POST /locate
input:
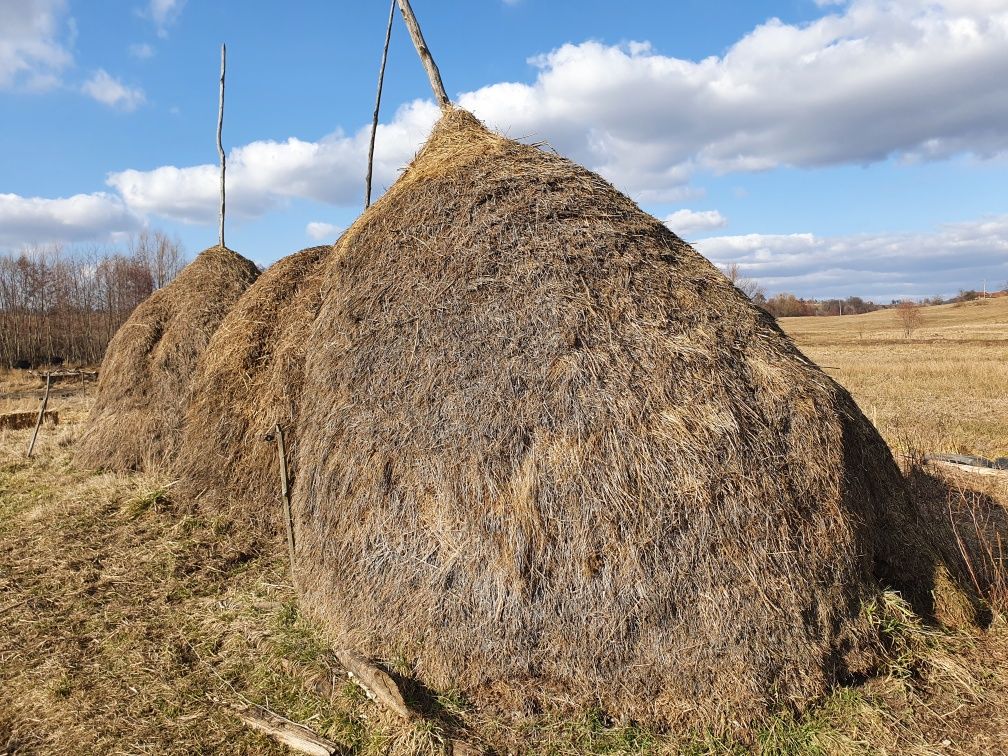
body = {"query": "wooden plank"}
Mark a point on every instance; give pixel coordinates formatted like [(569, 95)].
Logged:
[(19, 420), (971, 469), (296, 737)]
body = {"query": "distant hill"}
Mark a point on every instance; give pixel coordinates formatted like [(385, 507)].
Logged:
[(979, 320)]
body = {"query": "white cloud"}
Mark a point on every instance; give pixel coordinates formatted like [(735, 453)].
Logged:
[(164, 13), (685, 222), (874, 79), (881, 266), (318, 230), (265, 174), (141, 50), (108, 90), (82, 217), (32, 54)]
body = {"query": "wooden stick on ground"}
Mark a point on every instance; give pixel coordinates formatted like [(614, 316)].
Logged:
[(296, 737), (378, 686), (377, 106), (41, 415), (425, 55), (220, 144)]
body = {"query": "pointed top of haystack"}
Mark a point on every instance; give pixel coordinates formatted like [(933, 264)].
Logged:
[(146, 375), (248, 381)]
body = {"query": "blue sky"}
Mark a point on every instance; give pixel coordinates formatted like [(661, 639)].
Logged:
[(829, 148)]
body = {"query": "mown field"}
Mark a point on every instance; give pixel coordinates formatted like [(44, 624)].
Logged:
[(128, 624), (945, 389)]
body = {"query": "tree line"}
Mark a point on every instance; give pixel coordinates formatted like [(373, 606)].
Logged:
[(787, 305), (60, 305)]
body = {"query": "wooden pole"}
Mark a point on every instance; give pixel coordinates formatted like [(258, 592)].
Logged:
[(377, 106), (41, 414), (220, 143), (285, 493), (425, 55)]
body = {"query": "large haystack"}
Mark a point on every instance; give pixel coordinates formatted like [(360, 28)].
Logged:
[(146, 376), (248, 381), (549, 453)]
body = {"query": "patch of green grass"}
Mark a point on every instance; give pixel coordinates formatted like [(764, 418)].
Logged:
[(152, 498)]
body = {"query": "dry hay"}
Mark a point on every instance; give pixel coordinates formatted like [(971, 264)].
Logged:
[(549, 455), (248, 381), (146, 376)]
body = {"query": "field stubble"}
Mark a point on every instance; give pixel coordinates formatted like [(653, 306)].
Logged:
[(945, 390)]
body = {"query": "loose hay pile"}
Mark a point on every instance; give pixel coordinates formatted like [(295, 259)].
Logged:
[(248, 381), (147, 372), (548, 453)]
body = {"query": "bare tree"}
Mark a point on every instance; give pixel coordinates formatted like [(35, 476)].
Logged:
[(748, 286), (160, 253), (65, 305), (908, 315)]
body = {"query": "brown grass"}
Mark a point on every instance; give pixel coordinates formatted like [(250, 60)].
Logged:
[(946, 388), (546, 449), (146, 376), (248, 381)]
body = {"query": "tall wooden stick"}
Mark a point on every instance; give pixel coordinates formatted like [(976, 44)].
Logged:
[(425, 55), (285, 493), (41, 414), (220, 144), (377, 106)]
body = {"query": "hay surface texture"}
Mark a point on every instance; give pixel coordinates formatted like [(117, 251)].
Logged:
[(146, 376), (549, 453), (248, 381)]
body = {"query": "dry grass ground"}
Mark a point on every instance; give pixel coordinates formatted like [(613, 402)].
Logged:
[(945, 390), (128, 624)]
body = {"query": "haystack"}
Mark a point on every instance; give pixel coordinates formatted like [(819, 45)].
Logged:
[(146, 376), (248, 381), (548, 453)]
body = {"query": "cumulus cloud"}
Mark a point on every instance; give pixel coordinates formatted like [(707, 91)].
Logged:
[(318, 230), (108, 90), (82, 217), (32, 53), (684, 222), (164, 13), (265, 174), (873, 79), (882, 266)]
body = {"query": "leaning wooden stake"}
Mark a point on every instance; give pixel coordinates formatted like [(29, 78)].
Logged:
[(41, 414), (285, 491), (220, 143), (425, 55), (377, 106), (296, 737)]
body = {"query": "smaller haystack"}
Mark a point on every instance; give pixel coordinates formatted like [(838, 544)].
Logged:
[(146, 376), (248, 381)]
